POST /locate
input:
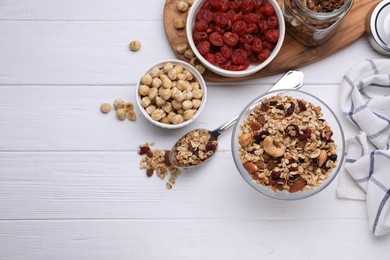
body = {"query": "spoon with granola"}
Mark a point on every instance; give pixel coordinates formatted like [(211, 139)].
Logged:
[(198, 145)]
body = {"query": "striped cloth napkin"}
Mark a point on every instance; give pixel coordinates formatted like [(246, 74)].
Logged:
[(365, 101)]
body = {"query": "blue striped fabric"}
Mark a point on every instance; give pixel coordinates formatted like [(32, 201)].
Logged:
[(365, 101)]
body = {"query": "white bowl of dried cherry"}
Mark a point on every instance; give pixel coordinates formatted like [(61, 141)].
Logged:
[(235, 38)]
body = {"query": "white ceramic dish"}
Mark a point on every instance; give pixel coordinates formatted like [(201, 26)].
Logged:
[(198, 78), (253, 68)]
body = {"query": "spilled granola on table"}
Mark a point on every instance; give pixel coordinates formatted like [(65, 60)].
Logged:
[(287, 145), (157, 161)]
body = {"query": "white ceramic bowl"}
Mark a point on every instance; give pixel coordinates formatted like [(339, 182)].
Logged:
[(197, 76), (328, 115), (253, 68)]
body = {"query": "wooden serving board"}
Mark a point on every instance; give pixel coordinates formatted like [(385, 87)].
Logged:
[(293, 54)]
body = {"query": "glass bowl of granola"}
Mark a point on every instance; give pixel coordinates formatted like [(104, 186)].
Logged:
[(288, 144)]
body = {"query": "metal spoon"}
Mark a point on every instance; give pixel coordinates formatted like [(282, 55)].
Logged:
[(291, 80)]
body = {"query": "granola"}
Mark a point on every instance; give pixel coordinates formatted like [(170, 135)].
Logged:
[(287, 145), (194, 148), (158, 161)]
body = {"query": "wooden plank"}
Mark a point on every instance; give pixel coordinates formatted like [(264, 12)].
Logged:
[(47, 118), (96, 53), (109, 185), (191, 239), (84, 10)]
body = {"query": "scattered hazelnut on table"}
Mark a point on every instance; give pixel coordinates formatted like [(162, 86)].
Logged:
[(121, 114), (135, 45), (105, 108), (190, 2), (119, 103), (131, 115)]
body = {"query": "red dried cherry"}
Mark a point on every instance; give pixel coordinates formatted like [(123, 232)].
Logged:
[(272, 36), (252, 18), (246, 6), (221, 20), (252, 28), (239, 27), (204, 15), (220, 58), (257, 45), (216, 39), (264, 54), (272, 22), (203, 47), (263, 26), (210, 57), (239, 57), (227, 51), (200, 36), (230, 38), (267, 9), (201, 26)]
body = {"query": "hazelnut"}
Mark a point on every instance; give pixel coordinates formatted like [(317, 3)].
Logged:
[(196, 103), (183, 85), (156, 72), (187, 104), (193, 61), (165, 93), (182, 6), (119, 103), (189, 54), (135, 45), (181, 48), (168, 67), (181, 76), (197, 93), (167, 107), (188, 75), (200, 68), (143, 90), (195, 85), (179, 69), (187, 95), (156, 83), (152, 93), (145, 102), (146, 79), (157, 114), (167, 83), (179, 96), (170, 116), (105, 108), (179, 23), (121, 114), (176, 105), (150, 109), (159, 101), (177, 119), (188, 114), (129, 106), (131, 115), (190, 2), (172, 74), (165, 120)]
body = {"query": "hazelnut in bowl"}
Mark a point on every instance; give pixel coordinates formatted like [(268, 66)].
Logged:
[(288, 144), (235, 38), (171, 94)]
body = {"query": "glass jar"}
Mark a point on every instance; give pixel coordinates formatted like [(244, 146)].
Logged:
[(310, 27)]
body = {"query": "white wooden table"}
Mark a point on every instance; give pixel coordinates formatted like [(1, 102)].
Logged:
[(70, 184)]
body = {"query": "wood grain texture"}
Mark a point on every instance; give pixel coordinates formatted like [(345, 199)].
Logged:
[(293, 54), (210, 240), (110, 185)]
